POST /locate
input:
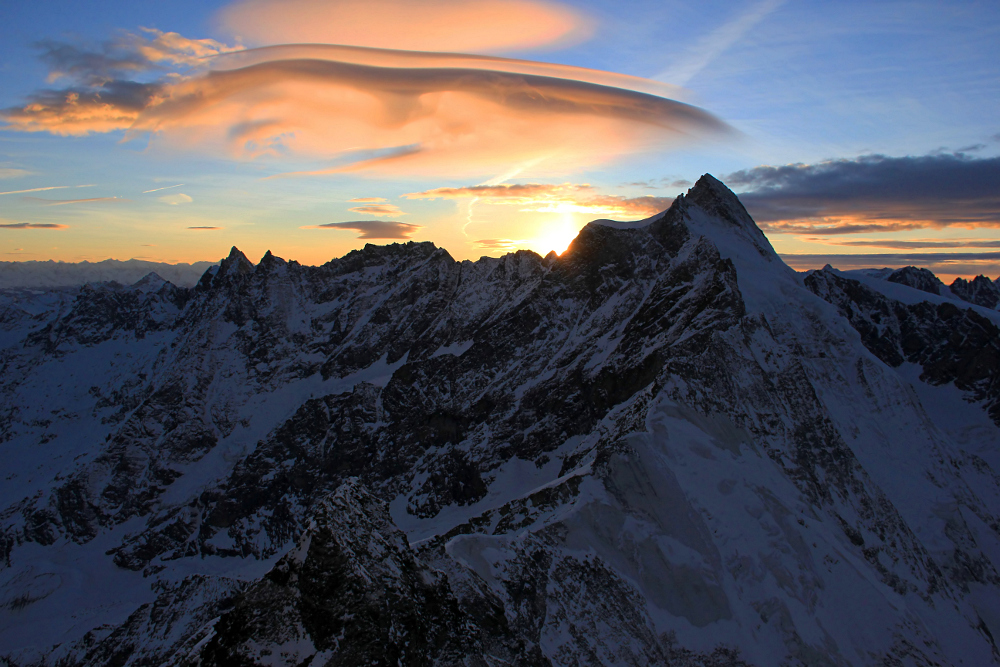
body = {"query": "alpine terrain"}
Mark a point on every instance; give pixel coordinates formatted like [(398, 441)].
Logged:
[(663, 447)]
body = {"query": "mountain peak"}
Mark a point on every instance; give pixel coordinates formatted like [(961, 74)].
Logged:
[(236, 264), (712, 195)]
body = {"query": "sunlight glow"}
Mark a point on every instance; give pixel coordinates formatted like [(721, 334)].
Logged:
[(557, 236)]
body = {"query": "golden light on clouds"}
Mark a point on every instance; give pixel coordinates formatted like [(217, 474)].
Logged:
[(545, 198), (416, 114), (417, 25), (428, 120), (388, 210)]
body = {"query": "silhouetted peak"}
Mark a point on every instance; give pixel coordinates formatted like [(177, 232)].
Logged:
[(236, 264), (269, 261), (711, 194), (921, 279)]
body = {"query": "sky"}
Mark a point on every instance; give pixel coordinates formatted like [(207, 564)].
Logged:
[(856, 133)]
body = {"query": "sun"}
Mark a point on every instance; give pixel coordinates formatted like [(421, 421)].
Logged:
[(557, 234)]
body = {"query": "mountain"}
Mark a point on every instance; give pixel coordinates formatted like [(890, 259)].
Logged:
[(50, 274), (662, 447), (980, 290)]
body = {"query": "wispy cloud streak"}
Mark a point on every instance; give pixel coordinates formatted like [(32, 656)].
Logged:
[(146, 192), (718, 42), (51, 187), (65, 202)]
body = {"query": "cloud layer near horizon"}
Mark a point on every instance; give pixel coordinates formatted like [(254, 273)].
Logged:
[(417, 25), (873, 193), (941, 263), (424, 113)]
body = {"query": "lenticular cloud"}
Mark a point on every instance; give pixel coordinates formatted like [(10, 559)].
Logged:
[(371, 110)]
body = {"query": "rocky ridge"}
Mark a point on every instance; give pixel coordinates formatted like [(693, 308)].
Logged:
[(662, 447)]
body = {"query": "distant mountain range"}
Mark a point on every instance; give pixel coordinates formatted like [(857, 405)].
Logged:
[(33, 274), (662, 447)]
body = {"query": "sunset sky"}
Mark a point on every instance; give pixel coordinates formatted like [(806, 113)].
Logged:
[(172, 131)]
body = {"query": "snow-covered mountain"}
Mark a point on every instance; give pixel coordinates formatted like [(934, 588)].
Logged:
[(49, 274), (662, 447), (980, 291)]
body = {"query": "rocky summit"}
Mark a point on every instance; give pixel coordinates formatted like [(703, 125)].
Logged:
[(663, 447)]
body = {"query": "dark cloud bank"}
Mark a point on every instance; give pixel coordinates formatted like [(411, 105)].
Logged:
[(873, 193)]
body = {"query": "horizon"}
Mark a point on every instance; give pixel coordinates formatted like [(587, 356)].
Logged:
[(169, 134)]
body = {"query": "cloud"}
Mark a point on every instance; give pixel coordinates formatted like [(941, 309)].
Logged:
[(499, 244), (378, 209), (913, 245), (373, 229), (32, 225), (64, 202), (546, 198), (104, 107), (456, 116), (203, 228), (951, 264), (394, 58), (718, 42), (146, 192), (105, 95), (175, 198), (873, 193), (51, 187), (838, 227), (416, 25), (9, 172), (126, 54), (367, 199)]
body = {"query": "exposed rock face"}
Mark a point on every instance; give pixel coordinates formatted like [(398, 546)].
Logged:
[(980, 290), (352, 592), (662, 447), (952, 345), (920, 279)]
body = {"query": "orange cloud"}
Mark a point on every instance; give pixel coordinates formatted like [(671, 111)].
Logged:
[(417, 25), (440, 119), (32, 225), (373, 229), (378, 209), (544, 198), (367, 199), (175, 49), (204, 228), (395, 58), (506, 245)]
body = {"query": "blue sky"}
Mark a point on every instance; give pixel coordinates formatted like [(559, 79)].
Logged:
[(793, 82)]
